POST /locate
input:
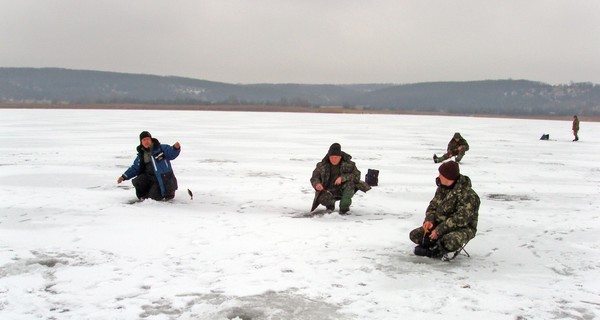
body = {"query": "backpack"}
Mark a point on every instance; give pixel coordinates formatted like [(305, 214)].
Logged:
[(372, 177)]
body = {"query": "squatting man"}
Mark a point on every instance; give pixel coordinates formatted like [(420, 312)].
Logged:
[(336, 178), (451, 217), (152, 170)]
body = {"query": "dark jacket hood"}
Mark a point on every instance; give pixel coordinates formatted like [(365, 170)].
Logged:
[(155, 145), (463, 182), (345, 157)]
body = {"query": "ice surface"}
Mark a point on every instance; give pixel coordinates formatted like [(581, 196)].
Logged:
[(73, 247)]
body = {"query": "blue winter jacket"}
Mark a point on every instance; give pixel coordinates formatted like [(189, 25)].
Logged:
[(162, 154)]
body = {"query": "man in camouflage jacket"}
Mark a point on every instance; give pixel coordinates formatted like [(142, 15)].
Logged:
[(575, 127), (451, 217), (457, 146), (336, 178)]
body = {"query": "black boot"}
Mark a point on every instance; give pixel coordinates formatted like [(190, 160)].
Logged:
[(435, 159), (436, 252), (421, 251), (433, 252)]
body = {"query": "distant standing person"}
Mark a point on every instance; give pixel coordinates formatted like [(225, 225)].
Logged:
[(451, 217), (336, 178), (154, 177), (457, 146), (575, 127)]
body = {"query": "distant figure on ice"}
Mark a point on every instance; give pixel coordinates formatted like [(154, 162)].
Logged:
[(336, 178), (456, 147), (154, 177), (451, 217), (575, 128)]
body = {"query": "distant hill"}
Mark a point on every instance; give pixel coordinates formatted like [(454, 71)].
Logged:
[(502, 97)]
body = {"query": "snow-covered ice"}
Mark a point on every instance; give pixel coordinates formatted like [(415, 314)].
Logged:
[(73, 247)]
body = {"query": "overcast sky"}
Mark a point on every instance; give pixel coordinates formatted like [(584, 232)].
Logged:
[(309, 41)]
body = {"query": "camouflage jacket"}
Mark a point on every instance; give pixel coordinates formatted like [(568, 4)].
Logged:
[(454, 208), (348, 170), (453, 145), (576, 124)]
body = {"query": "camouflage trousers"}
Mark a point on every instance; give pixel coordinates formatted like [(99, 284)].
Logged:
[(328, 198), (450, 241), (448, 155)]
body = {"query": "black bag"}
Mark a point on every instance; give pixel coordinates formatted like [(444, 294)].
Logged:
[(545, 136), (372, 177)]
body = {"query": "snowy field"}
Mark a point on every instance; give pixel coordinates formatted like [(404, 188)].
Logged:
[(73, 247)]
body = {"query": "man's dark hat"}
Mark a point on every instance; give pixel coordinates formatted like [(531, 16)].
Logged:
[(335, 150), (145, 134), (450, 170)]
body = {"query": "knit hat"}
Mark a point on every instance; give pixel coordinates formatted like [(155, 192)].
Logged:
[(145, 134), (457, 135), (335, 150), (450, 170)]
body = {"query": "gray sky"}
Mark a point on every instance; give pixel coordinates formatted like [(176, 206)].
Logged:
[(309, 41)]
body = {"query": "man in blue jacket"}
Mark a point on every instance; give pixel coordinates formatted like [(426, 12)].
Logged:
[(154, 177)]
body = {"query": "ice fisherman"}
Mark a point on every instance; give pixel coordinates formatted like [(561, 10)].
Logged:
[(336, 178), (451, 217), (154, 176), (575, 127), (457, 146)]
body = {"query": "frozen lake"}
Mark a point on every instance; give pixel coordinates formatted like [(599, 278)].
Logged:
[(73, 247)]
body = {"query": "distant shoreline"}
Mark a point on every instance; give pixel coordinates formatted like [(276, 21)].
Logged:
[(266, 108)]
